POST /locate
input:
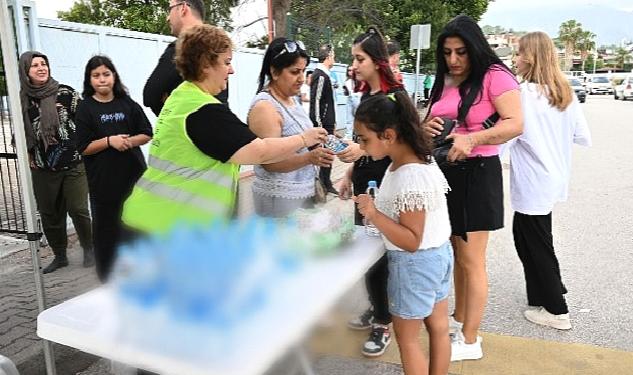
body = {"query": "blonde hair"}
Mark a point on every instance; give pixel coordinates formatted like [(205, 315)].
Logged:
[(199, 47), (537, 51)]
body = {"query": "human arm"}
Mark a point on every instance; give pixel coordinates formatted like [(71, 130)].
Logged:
[(316, 95), (582, 135), (345, 185), (217, 132), (508, 105), (351, 153), (162, 81), (405, 234), (266, 122)]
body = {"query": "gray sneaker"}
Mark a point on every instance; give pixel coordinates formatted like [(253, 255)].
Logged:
[(363, 321)]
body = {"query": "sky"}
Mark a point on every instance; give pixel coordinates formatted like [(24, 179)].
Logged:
[(610, 20), (48, 8), (497, 5)]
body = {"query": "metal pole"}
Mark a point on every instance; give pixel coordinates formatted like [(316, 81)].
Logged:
[(417, 76), (271, 26), (595, 57), (11, 70)]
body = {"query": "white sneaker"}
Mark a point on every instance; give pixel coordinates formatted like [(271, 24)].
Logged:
[(461, 351), (545, 318), (453, 325)]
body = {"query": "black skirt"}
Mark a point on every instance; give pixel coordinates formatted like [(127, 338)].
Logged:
[(475, 202)]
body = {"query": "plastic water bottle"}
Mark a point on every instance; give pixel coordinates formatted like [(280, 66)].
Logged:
[(370, 229), (335, 144)]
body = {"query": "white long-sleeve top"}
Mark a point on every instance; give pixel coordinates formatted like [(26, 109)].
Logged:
[(540, 158)]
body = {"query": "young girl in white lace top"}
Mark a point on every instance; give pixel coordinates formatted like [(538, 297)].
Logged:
[(411, 213)]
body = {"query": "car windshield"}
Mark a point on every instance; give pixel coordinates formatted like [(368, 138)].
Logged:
[(601, 80), (575, 82)]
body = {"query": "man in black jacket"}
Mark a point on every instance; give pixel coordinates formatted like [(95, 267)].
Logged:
[(322, 108), (181, 14)]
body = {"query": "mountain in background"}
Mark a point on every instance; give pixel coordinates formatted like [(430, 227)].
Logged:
[(610, 25)]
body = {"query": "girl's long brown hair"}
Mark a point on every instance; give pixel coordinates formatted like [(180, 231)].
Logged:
[(537, 50)]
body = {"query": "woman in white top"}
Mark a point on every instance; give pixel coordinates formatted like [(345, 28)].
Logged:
[(539, 173), (411, 213)]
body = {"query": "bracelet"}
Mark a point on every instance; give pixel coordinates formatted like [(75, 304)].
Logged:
[(303, 137), (108, 141)]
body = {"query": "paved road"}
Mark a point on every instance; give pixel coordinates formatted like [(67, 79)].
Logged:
[(593, 237)]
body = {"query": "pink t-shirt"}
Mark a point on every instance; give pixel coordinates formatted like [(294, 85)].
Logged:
[(497, 81)]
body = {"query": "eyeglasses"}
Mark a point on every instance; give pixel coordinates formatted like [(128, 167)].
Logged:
[(169, 8), (291, 46)]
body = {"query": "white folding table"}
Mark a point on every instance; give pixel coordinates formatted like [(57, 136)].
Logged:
[(90, 322)]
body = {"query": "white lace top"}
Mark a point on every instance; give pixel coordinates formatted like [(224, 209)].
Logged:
[(414, 187)]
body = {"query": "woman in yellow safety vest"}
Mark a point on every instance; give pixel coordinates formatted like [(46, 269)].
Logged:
[(199, 143)]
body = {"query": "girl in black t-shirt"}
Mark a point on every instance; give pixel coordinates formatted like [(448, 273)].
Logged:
[(371, 68), (110, 127)]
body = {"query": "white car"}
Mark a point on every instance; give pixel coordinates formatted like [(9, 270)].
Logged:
[(599, 85), (624, 90)]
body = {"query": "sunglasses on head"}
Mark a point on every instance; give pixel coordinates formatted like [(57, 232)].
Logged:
[(291, 46)]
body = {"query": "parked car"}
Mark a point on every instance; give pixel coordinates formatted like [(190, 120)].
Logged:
[(599, 85), (624, 90), (578, 88)]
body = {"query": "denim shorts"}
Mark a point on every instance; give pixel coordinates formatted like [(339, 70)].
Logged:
[(419, 280)]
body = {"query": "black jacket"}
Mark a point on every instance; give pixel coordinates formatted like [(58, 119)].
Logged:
[(322, 109), (164, 79)]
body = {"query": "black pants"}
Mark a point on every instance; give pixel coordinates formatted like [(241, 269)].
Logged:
[(535, 246), (376, 283), (106, 234), (324, 176), (61, 193)]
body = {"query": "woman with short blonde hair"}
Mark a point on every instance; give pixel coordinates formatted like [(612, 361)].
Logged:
[(539, 173)]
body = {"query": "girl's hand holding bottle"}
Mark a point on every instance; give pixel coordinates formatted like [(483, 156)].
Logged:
[(366, 206)]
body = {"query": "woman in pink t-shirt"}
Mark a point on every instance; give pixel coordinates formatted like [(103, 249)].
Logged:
[(472, 84)]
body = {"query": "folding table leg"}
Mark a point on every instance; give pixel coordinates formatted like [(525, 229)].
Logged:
[(306, 366)]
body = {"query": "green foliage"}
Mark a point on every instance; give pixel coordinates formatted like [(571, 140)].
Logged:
[(622, 56), (261, 43), (340, 21), (148, 16)]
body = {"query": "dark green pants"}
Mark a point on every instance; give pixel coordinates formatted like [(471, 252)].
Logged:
[(59, 194)]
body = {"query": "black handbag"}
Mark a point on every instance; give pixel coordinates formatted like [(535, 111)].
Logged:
[(443, 146)]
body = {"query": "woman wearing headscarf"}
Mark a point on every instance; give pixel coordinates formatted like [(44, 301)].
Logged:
[(58, 174)]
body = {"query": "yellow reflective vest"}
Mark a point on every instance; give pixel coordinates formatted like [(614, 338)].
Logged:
[(181, 184)]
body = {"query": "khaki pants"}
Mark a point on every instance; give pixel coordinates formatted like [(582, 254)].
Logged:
[(58, 194)]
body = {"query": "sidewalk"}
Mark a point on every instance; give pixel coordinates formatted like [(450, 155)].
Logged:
[(336, 349)]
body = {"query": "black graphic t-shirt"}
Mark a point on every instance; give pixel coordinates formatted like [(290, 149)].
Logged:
[(111, 173)]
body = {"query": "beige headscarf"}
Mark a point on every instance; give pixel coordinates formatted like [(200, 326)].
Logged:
[(47, 96)]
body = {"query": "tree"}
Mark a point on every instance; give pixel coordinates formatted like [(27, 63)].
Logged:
[(339, 21), (569, 33), (148, 16), (280, 12), (622, 56), (585, 44)]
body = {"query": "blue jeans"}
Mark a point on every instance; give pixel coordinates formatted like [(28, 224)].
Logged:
[(418, 280)]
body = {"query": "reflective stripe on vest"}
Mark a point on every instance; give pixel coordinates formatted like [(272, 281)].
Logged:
[(190, 173), (180, 196)]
